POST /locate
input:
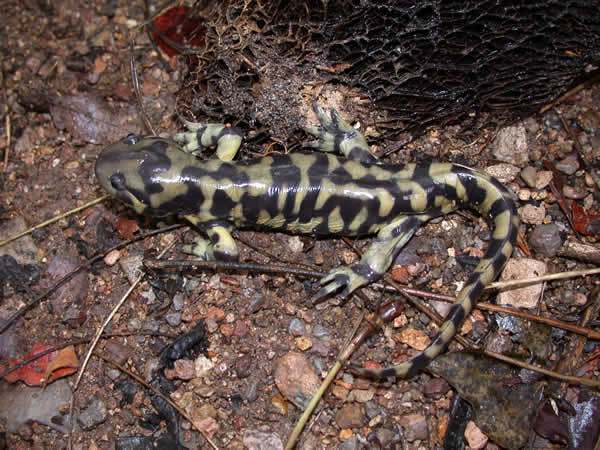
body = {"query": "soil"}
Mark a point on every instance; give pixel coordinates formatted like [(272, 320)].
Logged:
[(68, 92)]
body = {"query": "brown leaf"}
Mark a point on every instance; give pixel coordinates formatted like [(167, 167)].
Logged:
[(126, 228), (65, 363)]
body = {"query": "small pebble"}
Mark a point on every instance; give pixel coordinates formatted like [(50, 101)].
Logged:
[(510, 145), (295, 244), (251, 392), (545, 239), (524, 194), (296, 327), (543, 179), (319, 331), (134, 325), (415, 427), (350, 416), (532, 214), (173, 319), (113, 374), (528, 174), (567, 165), (178, 302), (574, 193), (505, 173), (303, 343), (112, 257), (256, 303), (93, 415)]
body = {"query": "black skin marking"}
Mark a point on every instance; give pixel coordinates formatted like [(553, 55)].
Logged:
[(364, 271), (358, 154), (118, 181)]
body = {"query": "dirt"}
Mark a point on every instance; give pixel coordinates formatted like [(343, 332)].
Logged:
[(76, 56)]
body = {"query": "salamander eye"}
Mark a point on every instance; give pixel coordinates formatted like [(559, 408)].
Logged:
[(132, 139), (118, 181)]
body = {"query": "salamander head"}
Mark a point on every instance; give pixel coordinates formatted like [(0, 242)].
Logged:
[(134, 169)]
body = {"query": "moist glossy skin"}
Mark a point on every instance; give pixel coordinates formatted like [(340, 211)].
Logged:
[(318, 193)]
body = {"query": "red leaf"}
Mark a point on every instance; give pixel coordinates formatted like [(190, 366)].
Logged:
[(175, 25), (34, 373), (583, 222), (126, 228)]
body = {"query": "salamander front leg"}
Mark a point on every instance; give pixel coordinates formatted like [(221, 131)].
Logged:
[(219, 245), (335, 135), (226, 138), (374, 262)]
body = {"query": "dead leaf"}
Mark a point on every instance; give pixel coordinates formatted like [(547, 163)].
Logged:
[(177, 26), (34, 373), (126, 228), (65, 363), (503, 409)]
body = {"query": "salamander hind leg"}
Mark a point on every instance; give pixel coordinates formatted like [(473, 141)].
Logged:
[(219, 245), (226, 138), (335, 135), (374, 262)]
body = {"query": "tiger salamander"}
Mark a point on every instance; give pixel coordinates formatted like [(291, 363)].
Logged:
[(317, 193)]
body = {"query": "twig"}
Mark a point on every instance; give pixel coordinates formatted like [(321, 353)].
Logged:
[(138, 93), (54, 219), (8, 136), (567, 378), (97, 338), (570, 92), (82, 266), (550, 277), (157, 392)]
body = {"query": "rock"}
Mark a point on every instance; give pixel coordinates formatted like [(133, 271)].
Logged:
[(574, 193), (256, 303), (173, 319), (296, 327), (350, 416), (22, 404), (361, 395), (511, 146), (203, 365), (567, 165), (475, 437), (74, 291), (528, 174), (436, 388), (23, 249), (295, 244), (295, 378), (415, 427), (350, 443), (532, 214), (93, 415), (545, 239), (178, 302), (505, 173), (319, 331), (543, 179), (117, 351), (525, 297), (385, 437), (243, 365), (251, 392), (258, 440), (184, 369), (132, 266), (414, 338)]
